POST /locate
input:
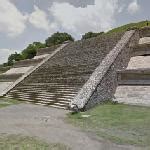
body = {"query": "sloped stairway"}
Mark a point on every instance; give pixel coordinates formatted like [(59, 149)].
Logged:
[(58, 80), (21, 68)]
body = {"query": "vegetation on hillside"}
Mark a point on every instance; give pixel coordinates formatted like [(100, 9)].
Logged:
[(27, 53), (130, 26), (118, 29), (58, 38), (119, 123), (90, 35), (4, 68), (31, 50)]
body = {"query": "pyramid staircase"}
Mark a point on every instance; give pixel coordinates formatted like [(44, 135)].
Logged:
[(57, 81), (21, 69)]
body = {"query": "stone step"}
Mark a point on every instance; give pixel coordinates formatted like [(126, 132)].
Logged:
[(50, 91), (30, 95), (50, 85), (45, 90), (47, 50), (60, 105), (9, 77), (61, 76), (41, 93), (78, 80), (27, 62), (62, 100), (66, 72), (42, 96), (46, 87), (50, 100), (44, 101), (134, 77)]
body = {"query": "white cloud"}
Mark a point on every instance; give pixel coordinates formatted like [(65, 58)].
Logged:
[(39, 19), (133, 7), (98, 17), (12, 21), (4, 54)]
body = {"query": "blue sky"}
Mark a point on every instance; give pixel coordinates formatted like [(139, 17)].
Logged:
[(25, 21)]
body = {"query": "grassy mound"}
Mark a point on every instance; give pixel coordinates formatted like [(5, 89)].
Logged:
[(129, 26)]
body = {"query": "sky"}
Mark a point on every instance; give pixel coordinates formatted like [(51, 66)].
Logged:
[(25, 21)]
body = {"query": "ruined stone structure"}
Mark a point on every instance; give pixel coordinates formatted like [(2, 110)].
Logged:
[(81, 74)]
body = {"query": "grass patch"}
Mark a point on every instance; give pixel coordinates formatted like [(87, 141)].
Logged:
[(129, 26), (7, 102), (18, 142), (122, 124)]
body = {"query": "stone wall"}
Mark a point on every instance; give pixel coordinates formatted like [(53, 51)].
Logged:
[(9, 77), (141, 49), (27, 62), (27, 74), (59, 79), (145, 32), (103, 82), (134, 77), (76, 62), (107, 86), (47, 50)]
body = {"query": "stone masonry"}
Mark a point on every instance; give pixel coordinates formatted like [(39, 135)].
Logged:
[(81, 74), (58, 80)]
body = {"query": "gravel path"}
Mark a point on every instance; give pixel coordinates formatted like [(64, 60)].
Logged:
[(48, 124)]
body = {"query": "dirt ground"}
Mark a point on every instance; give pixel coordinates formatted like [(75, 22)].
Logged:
[(48, 124)]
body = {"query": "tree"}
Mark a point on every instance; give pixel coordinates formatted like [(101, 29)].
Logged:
[(90, 35), (14, 57), (31, 50), (58, 38)]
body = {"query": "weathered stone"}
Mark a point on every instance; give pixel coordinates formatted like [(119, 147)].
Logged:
[(65, 73), (83, 72), (103, 82)]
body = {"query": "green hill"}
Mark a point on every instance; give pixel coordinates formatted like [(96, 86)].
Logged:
[(130, 26)]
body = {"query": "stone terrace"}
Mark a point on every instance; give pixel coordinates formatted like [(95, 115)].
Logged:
[(58, 80), (21, 68)]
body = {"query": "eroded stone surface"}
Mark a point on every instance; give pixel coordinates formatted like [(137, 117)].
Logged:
[(4, 85), (103, 82), (135, 95), (139, 62), (41, 56), (144, 40), (19, 70), (61, 77)]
